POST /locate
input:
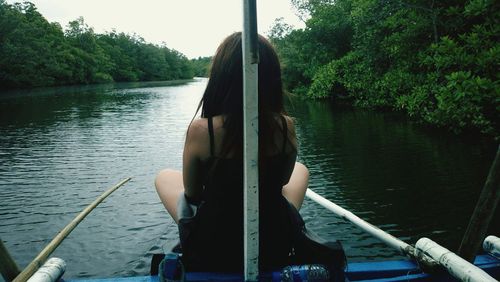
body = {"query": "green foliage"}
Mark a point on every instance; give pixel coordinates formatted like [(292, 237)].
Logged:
[(201, 66), (462, 98), (324, 80), (34, 52), (436, 60), (24, 58), (303, 52)]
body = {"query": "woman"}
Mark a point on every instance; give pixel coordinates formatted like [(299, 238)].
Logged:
[(212, 176)]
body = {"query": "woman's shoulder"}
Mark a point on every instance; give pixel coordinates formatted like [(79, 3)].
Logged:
[(291, 135), (200, 125), (290, 123), (197, 139), (199, 129), (198, 135)]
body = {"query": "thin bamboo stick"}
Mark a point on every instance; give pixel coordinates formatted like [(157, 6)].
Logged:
[(8, 266), (483, 213), (45, 253)]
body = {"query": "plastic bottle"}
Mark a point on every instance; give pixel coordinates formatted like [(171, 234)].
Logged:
[(308, 272)]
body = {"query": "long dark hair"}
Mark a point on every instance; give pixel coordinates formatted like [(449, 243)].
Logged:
[(224, 93)]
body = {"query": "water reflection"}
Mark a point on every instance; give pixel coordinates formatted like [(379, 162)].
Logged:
[(406, 180), (60, 148)]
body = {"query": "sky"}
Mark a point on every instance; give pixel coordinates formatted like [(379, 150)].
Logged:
[(192, 27)]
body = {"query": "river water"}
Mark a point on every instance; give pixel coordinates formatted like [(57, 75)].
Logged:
[(60, 148)]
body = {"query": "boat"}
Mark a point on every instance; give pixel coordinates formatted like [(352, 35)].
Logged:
[(375, 271), (447, 266), (428, 261)]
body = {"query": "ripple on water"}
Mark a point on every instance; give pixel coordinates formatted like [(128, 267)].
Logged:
[(59, 151)]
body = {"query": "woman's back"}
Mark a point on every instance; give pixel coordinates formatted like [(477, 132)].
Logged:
[(217, 241)]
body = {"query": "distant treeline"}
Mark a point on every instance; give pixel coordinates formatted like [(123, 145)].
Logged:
[(34, 52), (436, 60), (201, 66)]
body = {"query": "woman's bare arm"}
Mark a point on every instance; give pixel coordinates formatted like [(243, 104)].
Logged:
[(290, 150), (195, 149)]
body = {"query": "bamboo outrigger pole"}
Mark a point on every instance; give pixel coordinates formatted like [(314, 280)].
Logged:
[(403, 247), (483, 213), (45, 253), (428, 254), (250, 140)]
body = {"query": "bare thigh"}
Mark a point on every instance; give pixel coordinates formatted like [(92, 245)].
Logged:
[(295, 190), (169, 186)]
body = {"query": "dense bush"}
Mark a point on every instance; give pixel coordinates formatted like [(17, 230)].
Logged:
[(436, 60), (201, 66)]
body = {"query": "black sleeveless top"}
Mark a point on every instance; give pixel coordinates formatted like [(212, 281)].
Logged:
[(215, 240)]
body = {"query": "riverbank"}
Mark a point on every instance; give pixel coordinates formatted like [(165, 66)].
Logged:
[(60, 90), (36, 53), (349, 104), (437, 63)]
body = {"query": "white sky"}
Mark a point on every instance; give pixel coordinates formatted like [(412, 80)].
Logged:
[(192, 27)]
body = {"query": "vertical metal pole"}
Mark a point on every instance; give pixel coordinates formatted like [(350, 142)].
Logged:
[(250, 140)]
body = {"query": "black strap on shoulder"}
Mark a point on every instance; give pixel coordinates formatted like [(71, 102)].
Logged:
[(211, 133), (285, 132)]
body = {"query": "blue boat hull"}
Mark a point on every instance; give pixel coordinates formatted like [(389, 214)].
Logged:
[(397, 270), (405, 270)]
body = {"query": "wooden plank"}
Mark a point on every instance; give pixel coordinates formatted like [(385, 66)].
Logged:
[(483, 213), (8, 266)]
